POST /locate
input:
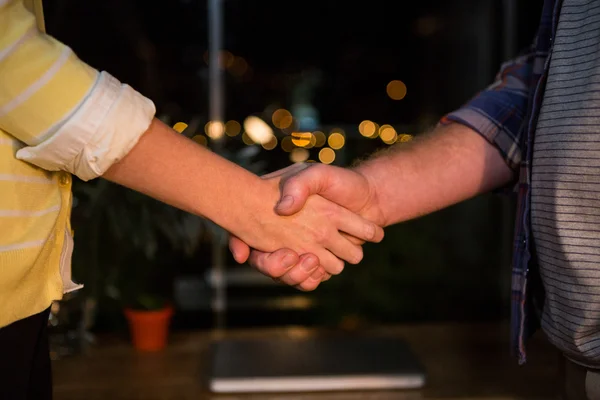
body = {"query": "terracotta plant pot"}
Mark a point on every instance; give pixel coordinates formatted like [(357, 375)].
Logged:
[(149, 329)]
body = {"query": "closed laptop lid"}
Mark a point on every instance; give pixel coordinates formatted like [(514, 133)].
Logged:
[(313, 364)]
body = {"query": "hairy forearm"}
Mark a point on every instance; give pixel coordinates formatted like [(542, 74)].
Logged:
[(448, 165), (171, 168)]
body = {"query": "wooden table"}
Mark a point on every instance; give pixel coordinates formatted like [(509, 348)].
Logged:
[(464, 361)]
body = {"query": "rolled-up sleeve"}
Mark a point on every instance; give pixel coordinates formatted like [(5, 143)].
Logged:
[(70, 116), (498, 113)]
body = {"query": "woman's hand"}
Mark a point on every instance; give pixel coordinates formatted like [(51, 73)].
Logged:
[(320, 228)]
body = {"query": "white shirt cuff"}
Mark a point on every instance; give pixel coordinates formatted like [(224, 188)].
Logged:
[(107, 125)]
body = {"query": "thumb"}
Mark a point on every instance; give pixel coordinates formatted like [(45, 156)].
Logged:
[(342, 186), (296, 189)]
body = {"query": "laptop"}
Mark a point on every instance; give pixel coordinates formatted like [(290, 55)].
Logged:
[(313, 365)]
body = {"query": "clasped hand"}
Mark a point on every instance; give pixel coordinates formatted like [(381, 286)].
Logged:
[(325, 214)]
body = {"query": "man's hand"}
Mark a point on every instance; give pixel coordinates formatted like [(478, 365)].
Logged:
[(450, 164), (346, 187)]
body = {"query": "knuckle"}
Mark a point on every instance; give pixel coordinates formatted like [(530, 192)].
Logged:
[(268, 269), (321, 234)]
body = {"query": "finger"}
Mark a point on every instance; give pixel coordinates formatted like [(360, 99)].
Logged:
[(314, 280), (339, 185), (357, 226), (352, 239), (308, 285), (320, 274), (296, 190), (273, 264), (300, 272), (343, 249), (332, 264), (239, 249)]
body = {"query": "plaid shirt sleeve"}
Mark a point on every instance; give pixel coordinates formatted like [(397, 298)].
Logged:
[(499, 112)]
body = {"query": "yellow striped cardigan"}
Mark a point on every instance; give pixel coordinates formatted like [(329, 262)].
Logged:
[(58, 116)]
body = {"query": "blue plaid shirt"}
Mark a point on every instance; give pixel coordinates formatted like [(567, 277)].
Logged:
[(505, 114)]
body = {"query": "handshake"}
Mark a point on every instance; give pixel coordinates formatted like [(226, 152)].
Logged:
[(324, 215)]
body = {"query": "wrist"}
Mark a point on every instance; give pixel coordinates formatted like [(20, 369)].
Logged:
[(250, 211), (372, 209)]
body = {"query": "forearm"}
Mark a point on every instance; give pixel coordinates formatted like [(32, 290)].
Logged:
[(171, 168), (451, 164)]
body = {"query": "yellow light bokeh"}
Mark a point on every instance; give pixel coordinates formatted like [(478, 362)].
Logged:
[(299, 155), (257, 129), (388, 134), (271, 144), (286, 144), (302, 139), (200, 139), (326, 155), (367, 128), (214, 129), (336, 140), (282, 118), (376, 134), (396, 90), (180, 126), (404, 138), (232, 128), (247, 139), (320, 138)]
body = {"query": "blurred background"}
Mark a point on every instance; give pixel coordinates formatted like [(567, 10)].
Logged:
[(332, 82)]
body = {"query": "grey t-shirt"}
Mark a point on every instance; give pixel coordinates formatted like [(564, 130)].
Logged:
[(565, 195)]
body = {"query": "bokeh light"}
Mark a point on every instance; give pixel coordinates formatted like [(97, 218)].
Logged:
[(320, 138), (180, 127), (282, 118), (247, 139), (326, 155), (232, 128), (367, 128), (271, 144), (302, 139), (214, 129), (388, 134), (396, 90), (405, 138), (286, 144), (299, 155), (200, 139), (258, 130), (336, 140)]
